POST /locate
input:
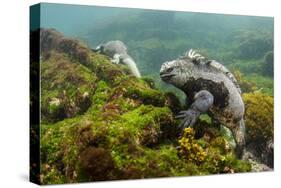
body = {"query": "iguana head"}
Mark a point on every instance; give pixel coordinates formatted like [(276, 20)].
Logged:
[(176, 72), (99, 48), (179, 71)]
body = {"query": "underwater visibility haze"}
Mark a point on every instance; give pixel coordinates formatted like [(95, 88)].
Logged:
[(100, 121)]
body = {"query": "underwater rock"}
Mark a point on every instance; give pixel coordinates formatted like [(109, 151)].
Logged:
[(97, 163), (99, 123), (267, 155), (246, 85), (255, 163), (259, 126), (50, 39), (66, 94), (173, 102), (210, 150)]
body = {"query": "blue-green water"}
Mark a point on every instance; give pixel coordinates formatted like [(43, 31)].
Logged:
[(243, 43), (98, 123)]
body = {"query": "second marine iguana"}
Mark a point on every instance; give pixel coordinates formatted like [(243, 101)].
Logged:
[(117, 51), (210, 88)]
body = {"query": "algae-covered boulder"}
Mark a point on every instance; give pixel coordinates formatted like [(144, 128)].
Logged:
[(66, 88), (245, 85), (258, 117), (50, 40), (99, 122), (208, 148), (259, 126)]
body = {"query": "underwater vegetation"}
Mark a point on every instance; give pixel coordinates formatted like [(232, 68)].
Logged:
[(99, 122), (243, 44), (259, 131), (259, 123), (164, 35), (210, 151)]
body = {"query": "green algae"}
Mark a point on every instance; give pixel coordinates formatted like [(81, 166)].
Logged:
[(127, 130)]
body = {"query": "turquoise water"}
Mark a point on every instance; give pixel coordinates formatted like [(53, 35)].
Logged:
[(243, 43)]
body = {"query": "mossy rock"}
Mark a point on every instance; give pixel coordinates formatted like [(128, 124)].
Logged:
[(50, 40), (212, 153), (67, 93), (258, 117), (101, 123)]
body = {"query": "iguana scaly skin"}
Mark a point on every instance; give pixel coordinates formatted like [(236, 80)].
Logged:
[(210, 88), (117, 51)]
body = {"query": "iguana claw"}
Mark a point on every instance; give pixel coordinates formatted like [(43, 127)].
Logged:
[(189, 118)]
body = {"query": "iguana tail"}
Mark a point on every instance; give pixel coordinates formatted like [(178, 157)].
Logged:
[(132, 66)]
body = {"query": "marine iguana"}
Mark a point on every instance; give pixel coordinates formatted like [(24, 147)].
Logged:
[(210, 88), (117, 51)]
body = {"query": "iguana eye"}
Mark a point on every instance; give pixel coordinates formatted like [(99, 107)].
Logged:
[(170, 69)]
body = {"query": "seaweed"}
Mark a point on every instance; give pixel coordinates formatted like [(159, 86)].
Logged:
[(101, 123)]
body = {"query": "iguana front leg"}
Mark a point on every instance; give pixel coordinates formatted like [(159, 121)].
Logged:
[(116, 59), (203, 100)]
